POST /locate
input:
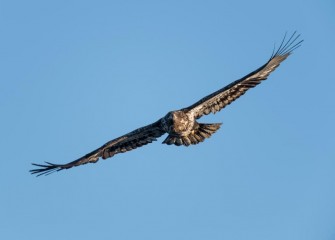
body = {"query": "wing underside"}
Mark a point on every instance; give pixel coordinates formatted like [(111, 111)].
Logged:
[(223, 97), (128, 142)]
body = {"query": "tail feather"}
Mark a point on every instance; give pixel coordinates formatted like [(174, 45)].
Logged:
[(199, 134)]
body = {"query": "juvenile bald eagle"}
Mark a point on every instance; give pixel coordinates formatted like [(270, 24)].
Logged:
[(182, 126)]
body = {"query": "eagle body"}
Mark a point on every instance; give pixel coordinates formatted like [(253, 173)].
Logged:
[(178, 123), (183, 129), (182, 126)]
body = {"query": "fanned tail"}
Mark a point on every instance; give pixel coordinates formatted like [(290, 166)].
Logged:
[(199, 134)]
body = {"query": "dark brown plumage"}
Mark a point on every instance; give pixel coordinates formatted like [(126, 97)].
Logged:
[(181, 125)]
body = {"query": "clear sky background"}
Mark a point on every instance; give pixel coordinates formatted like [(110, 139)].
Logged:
[(75, 74)]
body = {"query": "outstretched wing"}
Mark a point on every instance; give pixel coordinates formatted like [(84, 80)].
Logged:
[(223, 97), (128, 142)]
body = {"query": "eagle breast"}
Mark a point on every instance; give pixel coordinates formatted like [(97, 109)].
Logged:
[(178, 123)]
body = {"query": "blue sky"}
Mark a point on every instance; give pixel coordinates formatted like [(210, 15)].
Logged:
[(75, 74)]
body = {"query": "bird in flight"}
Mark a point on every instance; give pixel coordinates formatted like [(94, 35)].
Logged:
[(182, 126)]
